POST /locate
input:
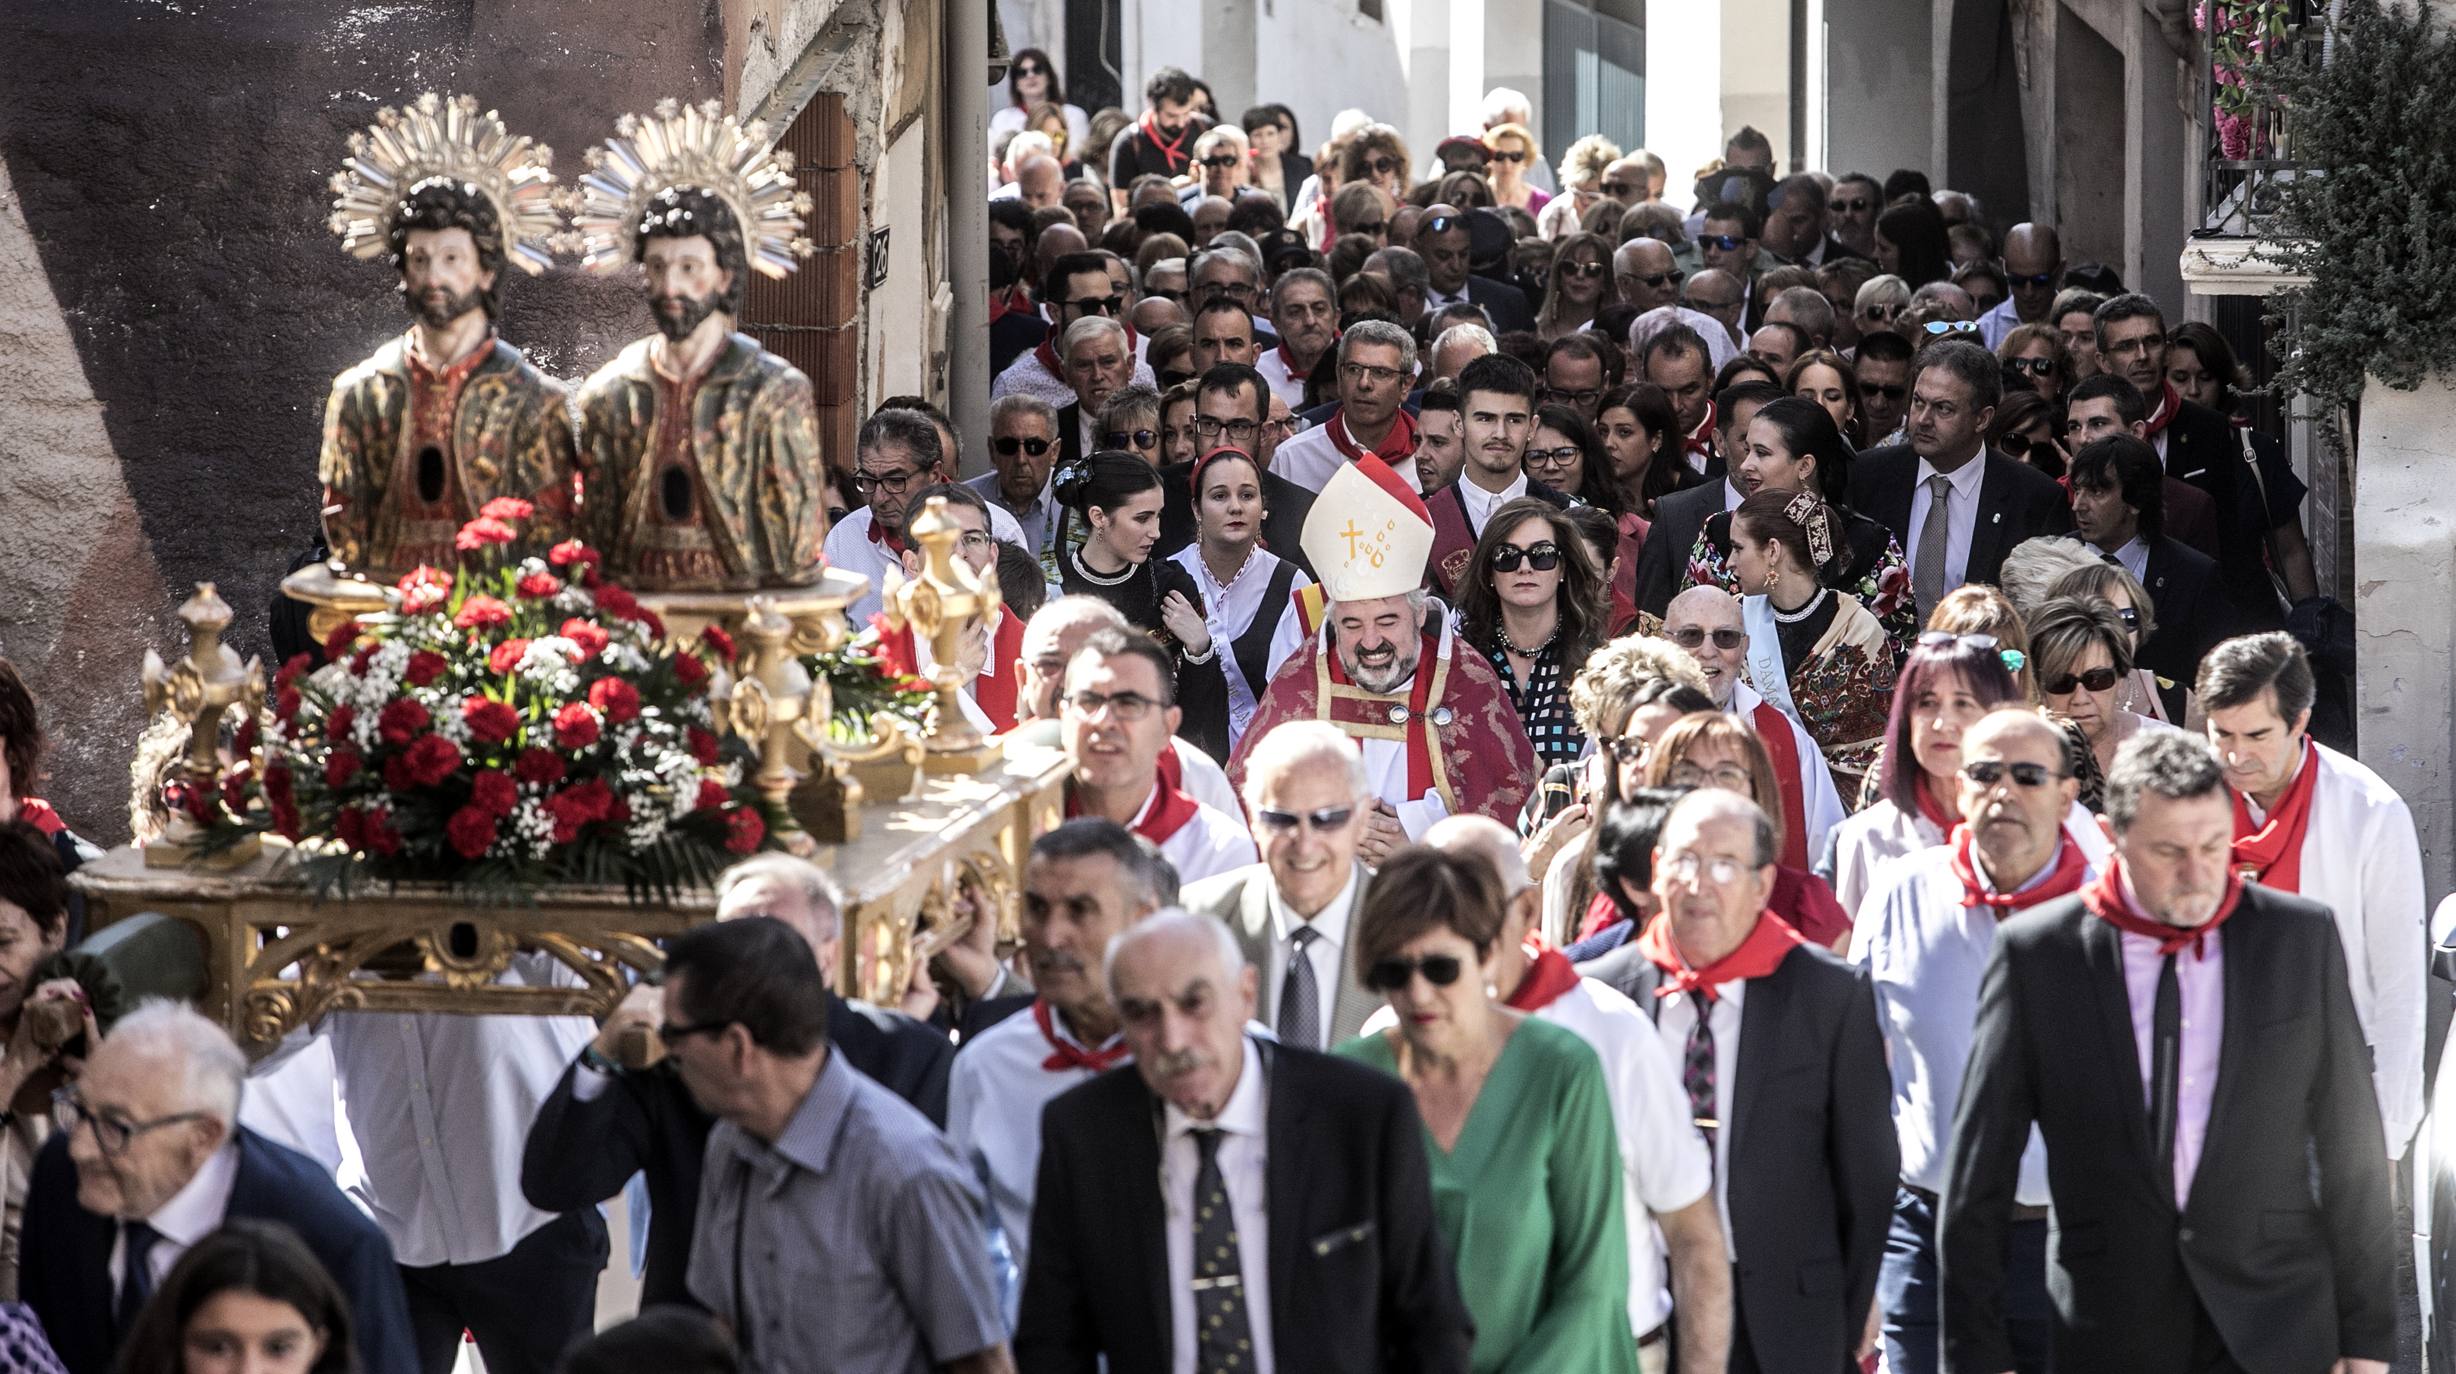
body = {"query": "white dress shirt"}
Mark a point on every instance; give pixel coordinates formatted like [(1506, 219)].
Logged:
[(440, 1106), (191, 1214), (1323, 952), (850, 547), (996, 1091), (2134, 556), (1998, 322), (1673, 1019), (1480, 504), (1286, 385), (1244, 1155), (1309, 459), (1961, 504), (1925, 953)]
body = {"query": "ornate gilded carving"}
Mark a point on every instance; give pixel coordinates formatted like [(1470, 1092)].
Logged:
[(204, 685)]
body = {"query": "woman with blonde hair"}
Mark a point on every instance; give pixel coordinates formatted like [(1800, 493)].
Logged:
[(1581, 178), (1576, 285), (1514, 150)]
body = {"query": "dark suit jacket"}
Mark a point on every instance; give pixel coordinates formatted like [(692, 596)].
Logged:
[(581, 1153), (1284, 508), (2193, 616), (66, 1277), (2190, 515), (2015, 502), (2292, 1275), (1069, 433), (1814, 1160), (1662, 563), (1360, 1277), (2203, 448), (1012, 335), (1505, 305)]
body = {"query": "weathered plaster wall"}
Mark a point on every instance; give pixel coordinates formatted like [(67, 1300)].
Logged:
[(2404, 560)]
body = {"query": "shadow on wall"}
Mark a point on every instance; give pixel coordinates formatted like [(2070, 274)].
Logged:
[(162, 206)]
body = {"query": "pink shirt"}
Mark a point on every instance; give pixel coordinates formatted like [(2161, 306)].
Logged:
[(2202, 982)]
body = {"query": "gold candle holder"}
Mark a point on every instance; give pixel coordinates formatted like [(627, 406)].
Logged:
[(947, 602), (197, 691)]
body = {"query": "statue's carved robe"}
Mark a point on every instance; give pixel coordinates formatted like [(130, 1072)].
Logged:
[(712, 483), (411, 453)]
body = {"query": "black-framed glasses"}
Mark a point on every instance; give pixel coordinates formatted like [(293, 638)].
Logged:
[(2096, 680), (112, 1132), (1657, 280), (1211, 427), (1584, 398), (1728, 243), (1543, 557), (1392, 974), (1096, 305), (1710, 306), (672, 1034), (1126, 706), (1882, 314), (1222, 161), (1009, 445), (1989, 772), (1129, 438), (1853, 206), (1693, 637), (892, 483), (1553, 457), (2036, 367), (1512, 155), (1322, 821)]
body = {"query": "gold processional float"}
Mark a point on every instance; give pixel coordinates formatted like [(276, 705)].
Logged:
[(521, 752)]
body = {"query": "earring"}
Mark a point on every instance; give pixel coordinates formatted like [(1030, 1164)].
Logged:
[(1773, 579)]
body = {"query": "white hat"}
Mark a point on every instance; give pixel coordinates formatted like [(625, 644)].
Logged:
[(1368, 536)]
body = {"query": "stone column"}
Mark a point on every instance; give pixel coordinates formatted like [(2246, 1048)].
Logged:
[(2404, 562)]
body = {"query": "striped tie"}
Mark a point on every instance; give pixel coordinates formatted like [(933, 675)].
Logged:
[(1697, 1071)]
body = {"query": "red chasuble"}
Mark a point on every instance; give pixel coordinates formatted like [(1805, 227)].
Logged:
[(1774, 732)]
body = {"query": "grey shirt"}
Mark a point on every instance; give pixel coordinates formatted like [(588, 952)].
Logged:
[(856, 1240)]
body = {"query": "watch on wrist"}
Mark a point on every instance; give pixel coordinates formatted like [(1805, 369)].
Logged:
[(591, 1058)]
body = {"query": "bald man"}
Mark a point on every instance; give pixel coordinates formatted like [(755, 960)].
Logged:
[(1040, 180), (2034, 269), (1705, 623), (1646, 274)]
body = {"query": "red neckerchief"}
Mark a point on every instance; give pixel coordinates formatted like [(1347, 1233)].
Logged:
[(1164, 814), (1419, 700), (2170, 401), (1170, 153), (1929, 807), (2271, 854), (38, 813), (1547, 977), (1396, 447), (1700, 440), (1602, 913), (1014, 300), (1172, 767), (996, 691), (893, 544), (2105, 900), (1295, 373), (1774, 732), (1767, 945), (2070, 868), (1065, 1054)]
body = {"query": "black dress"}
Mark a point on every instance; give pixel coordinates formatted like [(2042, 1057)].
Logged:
[(1136, 593)]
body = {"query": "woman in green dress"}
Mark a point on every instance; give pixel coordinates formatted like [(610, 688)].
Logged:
[(1525, 1166)]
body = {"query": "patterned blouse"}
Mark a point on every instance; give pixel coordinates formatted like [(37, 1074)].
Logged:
[(1542, 704)]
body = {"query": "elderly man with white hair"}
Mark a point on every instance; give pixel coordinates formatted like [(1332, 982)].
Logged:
[(1459, 345), (148, 1160), (1311, 804), (1377, 368), (610, 1117), (1704, 622), (1664, 1166), (1096, 355)]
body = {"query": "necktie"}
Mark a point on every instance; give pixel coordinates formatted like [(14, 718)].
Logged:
[(1697, 1072), (2165, 1068), (1222, 1341), (1300, 998), (1927, 568), (136, 1272)]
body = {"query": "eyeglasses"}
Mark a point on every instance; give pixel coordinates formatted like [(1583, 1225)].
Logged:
[(1880, 313), (1588, 270), (1710, 305), (1383, 166), (1211, 427), (1853, 206), (1685, 867), (1657, 280), (1728, 243), (1584, 398), (1287, 425), (1628, 753), (1937, 329), (672, 1034), (1233, 290), (892, 483), (1442, 224), (2129, 617), (1030, 69), (1158, 294), (1619, 190), (1127, 706), (1543, 557), (1222, 161), (1693, 637), (1946, 639), (1096, 305), (1730, 777), (1321, 822), (113, 1133), (1514, 155), (1128, 438), (1989, 772), (1172, 377), (1358, 372), (1894, 392), (2036, 367), (2032, 279), (1009, 445), (1390, 975), (1374, 227), (2096, 680), (1552, 457)]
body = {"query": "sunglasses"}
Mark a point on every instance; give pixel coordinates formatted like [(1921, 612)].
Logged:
[(2096, 680), (1620, 190), (1848, 207), (1442, 224), (1694, 637), (1937, 329), (1009, 445), (2036, 367), (1627, 752), (1128, 438), (2033, 279), (1097, 305), (2129, 617), (1890, 393), (1658, 280), (1542, 558), (1028, 69), (1517, 156), (1223, 161), (1880, 313), (1322, 822), (1374, 227), (1989, 772), (1945, 639), (1383, 166), (1728, 243), (1588, 270), (1390, 975)]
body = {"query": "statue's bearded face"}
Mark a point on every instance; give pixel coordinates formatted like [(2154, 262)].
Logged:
[(685, 284), (1378, 642), (441, 279)]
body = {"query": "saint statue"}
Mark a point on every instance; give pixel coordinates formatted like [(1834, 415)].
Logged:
[(699, 450), (446, 417)]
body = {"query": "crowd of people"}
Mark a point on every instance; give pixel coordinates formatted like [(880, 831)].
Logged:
[(1642, 790)]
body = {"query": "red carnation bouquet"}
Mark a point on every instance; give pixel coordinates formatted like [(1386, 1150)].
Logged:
[(516, 723)]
